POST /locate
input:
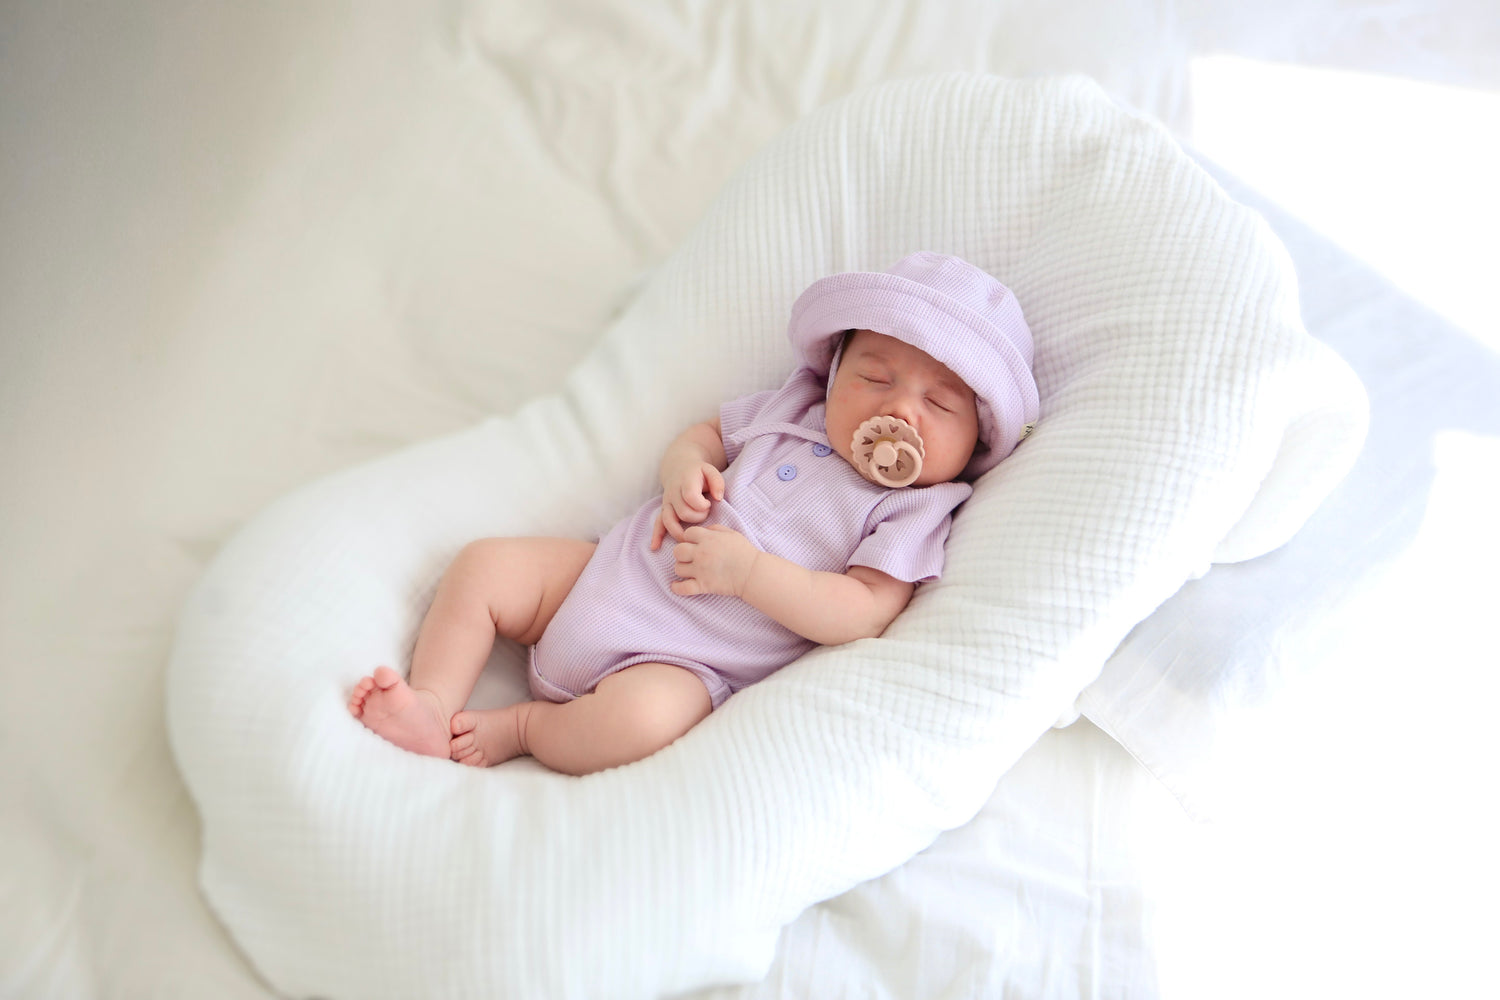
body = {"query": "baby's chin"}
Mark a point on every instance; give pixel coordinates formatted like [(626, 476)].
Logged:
[(932, 480)]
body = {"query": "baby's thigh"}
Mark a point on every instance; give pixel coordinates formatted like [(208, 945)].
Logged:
[(523, 581), (659, 701)]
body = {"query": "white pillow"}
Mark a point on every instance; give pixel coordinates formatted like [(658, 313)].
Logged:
[(1195, 690), (1171, 365)]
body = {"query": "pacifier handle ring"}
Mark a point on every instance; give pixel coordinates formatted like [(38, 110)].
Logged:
[(898, 450)]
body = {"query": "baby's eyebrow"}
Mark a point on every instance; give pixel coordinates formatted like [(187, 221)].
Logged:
[(952, 383), (944, 379), (871, 354)]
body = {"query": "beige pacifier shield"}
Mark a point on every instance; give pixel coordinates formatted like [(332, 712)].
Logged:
[(888, 451)]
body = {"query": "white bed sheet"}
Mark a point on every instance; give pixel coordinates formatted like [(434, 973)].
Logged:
[(242, 247)]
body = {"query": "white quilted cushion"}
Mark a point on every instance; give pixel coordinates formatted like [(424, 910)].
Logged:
[(1174, 376)]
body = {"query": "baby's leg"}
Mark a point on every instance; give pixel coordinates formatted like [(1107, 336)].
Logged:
[(630, 715), (510, 586)]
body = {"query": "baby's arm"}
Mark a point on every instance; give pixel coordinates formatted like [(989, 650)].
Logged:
[(690, 480), (828, 608)]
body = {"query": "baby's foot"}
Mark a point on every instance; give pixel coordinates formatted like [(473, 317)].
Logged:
[(487, 737), (408, 717)]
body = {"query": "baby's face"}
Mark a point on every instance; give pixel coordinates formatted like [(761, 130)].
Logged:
[(883, 376)]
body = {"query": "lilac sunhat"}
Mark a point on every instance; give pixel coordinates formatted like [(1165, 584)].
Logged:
[(948, 308)]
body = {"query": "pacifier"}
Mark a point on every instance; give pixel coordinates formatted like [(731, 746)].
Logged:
[(888, 451)]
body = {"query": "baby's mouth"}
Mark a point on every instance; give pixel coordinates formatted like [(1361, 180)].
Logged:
[(888, 451)]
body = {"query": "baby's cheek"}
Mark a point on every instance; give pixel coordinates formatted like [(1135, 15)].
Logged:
[(949, 452)]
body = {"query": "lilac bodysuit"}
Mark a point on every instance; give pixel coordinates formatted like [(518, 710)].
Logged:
[(786, 491)]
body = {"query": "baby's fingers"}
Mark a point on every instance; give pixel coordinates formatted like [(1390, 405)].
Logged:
[(666, 524), (686, 585), (714, 479), (690, 516), (691, 513), (699, 493), (691, 508)]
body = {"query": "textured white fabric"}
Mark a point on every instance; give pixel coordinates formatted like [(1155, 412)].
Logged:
[(1172, 368), (1193, 690)]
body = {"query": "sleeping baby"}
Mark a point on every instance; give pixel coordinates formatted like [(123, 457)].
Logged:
[(798, 517)]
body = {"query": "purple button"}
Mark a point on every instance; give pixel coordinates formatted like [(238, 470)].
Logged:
[(822, 450), (786, 473)]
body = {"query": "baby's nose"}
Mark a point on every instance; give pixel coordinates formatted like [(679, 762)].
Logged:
[(904, 407)]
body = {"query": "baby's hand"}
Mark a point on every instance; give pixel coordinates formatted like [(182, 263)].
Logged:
[(713, 560), (686, 500)]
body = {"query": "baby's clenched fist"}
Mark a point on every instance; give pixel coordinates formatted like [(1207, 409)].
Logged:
[(687, 494)]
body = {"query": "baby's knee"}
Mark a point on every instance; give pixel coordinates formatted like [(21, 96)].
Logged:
[(480, 553), (669, 702), (657, 726), (478, 564)]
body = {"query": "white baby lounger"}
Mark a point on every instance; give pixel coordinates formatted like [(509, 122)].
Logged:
[(1186, 417)]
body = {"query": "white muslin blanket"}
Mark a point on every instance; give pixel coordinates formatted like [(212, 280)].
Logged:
[(1186, 417)]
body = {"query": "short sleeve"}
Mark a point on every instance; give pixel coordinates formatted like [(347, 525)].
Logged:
[(737, 414), (908, 530)]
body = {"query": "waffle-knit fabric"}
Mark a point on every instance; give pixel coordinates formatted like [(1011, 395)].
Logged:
[(1175, 378)]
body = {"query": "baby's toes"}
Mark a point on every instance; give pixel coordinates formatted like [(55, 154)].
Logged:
[(359, 694)]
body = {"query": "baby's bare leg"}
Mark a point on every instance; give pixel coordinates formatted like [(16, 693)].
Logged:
[(509, 586), (628, 716)]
